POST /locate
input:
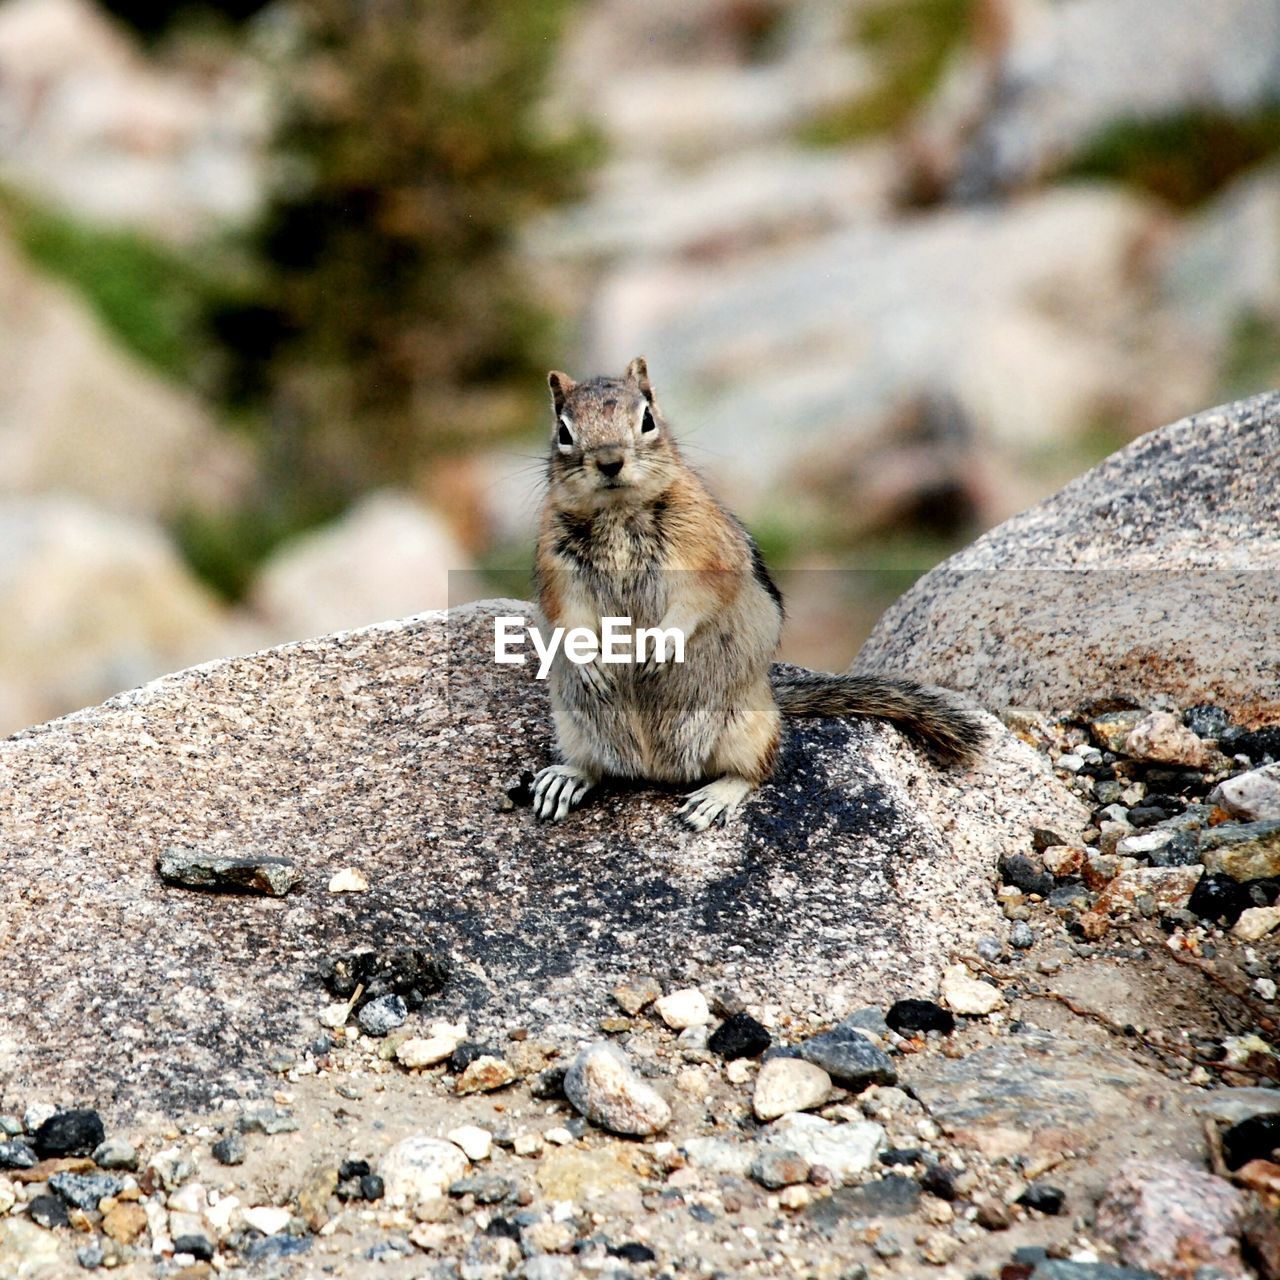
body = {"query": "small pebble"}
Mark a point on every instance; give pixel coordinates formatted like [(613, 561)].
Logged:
[(229, 1150), (685, 1008), (382, 1016), (348, 880)]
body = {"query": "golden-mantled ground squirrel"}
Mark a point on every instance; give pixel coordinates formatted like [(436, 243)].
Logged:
[(628, 530)]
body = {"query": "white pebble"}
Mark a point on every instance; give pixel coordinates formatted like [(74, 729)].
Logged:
[(267, 1218), (348, 880), (417, 1052), (685, 1008), (475, 1142)]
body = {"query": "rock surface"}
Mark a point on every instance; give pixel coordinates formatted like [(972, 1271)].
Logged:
[(79, 416), (850, 877), (1153, 574), (1175, 1219), (1066, 72), (386, 557), (104, 602)]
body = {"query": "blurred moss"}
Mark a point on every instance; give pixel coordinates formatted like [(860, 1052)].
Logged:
[(388, 317), (225, 549), (910, 42), (1183, 159), (1252, 361), (149, 297)]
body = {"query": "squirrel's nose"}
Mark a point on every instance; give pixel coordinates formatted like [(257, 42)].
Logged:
[(610, 466)]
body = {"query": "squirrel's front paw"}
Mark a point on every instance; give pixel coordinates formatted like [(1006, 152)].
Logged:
[(559, 788), (713, 803)]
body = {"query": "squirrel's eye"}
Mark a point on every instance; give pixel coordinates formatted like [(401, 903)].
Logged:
[(648, 424), (564, 437)]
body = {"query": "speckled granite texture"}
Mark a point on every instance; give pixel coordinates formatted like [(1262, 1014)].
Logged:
[(1156, 572), (851, 878)]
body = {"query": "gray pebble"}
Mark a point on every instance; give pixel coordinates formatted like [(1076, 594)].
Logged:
[(115, 1153), (229, 1150), (383, 1015), (1022, 935)]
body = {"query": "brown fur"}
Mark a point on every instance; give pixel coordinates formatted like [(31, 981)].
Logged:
[(628, 529)]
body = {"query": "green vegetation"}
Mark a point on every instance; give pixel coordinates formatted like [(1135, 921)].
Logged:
[(910, 41), (1252, 362), (386, 319), (148, 296), (1183, 159)]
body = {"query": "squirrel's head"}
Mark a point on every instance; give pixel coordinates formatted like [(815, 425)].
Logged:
[(610, 445)]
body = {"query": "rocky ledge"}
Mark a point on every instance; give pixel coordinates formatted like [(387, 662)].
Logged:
[(385, 757)]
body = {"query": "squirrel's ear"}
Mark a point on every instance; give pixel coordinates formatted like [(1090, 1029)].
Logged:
[(561, 384), (638, 372)]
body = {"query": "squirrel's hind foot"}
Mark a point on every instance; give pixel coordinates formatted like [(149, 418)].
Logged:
[(713, 803), (559, 788)]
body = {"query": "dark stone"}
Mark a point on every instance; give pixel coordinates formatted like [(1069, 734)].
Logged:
[(199, 1247), (1252, 1139), (487, 1188), (521, 794), (1178, 781), (893, 1196), (1218, 897), (16, 1155), (548, 1085), (1256, 743), (467, 1052), (702, 1214), (1263, 892), (1062, 1269), (48, 1211), (503, 1227), (277, 1246), (849, 1058), (1025, 873), (357, 1182), (919, 1015), (938, 1181), (1042, 838), (412, 973), (191, 868), (633, 1251), (1146, 815), (1182, 851), (1043, 1198), (69, 1133), (901, 1155), (1206, 721), (739, 1036), (84, 1190), (1072, 896), (229, 1150)]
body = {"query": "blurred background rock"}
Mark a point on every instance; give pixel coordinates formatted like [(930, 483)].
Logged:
[(279, 284)]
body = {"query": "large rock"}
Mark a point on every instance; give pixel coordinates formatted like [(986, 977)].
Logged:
[(1153, 573), (819, 353), (94, 603), (1065, 72), (87, 121), (78, 415), (387, 557), (851, 877)]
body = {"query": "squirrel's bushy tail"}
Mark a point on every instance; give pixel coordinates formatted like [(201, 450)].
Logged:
[(939, 719)]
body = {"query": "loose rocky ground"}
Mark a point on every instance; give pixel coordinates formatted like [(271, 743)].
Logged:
[(1091, 1086)]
